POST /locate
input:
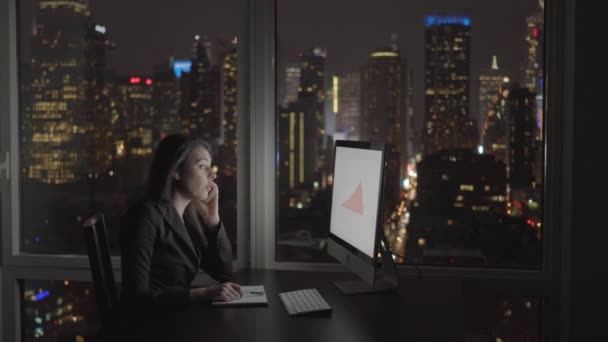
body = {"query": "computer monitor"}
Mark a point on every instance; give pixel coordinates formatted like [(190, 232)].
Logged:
[(355, 235)]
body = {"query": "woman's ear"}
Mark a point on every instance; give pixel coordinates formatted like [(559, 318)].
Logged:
[(176, 176)]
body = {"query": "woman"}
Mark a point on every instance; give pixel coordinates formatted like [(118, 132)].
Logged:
[(176, 231)]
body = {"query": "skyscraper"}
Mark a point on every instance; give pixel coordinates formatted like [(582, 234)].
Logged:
[(298, 178), (347, 100), (413, 134), (533, 76), (166, 100), (292, 83), (135, 125), (54, 123), (458, 193), (98, 74), (226, 160), (134, 98), (200, 110), (457, 180), (312, 74), (291, 146), (311, 98), (521, 138), (493, 90), (495, 126), (383, 101), (533, 67), (448, 124), (228, 77)]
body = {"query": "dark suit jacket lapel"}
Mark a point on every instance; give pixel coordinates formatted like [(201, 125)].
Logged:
[(171, 216)]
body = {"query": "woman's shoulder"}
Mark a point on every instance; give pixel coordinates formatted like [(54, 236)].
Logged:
[(141, 221), (143, 209)]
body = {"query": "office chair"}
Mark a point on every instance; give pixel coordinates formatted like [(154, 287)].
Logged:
[(103, 278)]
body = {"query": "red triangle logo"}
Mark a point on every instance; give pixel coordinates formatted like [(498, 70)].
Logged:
[(355, 202)]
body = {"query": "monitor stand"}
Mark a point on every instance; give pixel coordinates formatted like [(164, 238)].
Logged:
[(386, 277)]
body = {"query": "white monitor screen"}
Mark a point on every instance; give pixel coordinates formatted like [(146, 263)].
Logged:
[(356, 194)]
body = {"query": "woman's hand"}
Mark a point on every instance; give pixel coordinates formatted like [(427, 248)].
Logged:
[(208, 208), (221, 292)]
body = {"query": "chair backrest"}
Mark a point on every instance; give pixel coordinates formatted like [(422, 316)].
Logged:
[(101, 267)]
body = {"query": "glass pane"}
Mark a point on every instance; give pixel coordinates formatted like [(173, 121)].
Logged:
[(502, 318), (454, 88), (58, 310), (99, 91)]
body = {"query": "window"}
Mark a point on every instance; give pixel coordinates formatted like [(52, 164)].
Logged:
[(58, 310), (514, 33), (100, 84), (455, 90), (503, 318), (93, 89)]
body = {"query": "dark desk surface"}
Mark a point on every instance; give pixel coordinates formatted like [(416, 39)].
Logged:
[(422, 310)]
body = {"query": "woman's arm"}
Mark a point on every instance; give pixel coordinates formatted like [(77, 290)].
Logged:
[(217, 256), (217, 253)]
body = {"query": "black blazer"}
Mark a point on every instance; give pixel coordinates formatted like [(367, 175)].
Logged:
[(161, 255)]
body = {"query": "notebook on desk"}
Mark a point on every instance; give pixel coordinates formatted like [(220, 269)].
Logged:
[(252, 296)]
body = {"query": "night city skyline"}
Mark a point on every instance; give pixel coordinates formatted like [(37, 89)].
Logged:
[(164, 32), (142, 108), (463, 179)]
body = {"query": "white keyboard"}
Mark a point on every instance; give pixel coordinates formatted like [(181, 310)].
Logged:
[(303, 301)]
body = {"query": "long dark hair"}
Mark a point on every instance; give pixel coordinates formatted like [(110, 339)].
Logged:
[(170, 156)]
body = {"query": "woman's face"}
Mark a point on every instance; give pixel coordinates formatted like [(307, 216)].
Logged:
[(196, 175)]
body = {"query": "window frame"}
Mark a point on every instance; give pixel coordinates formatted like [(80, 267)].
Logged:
[(16, 265), (557, 140), (257, 200), (551, 280)]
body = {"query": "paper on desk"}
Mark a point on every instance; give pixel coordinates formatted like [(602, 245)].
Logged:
[(252, 295)]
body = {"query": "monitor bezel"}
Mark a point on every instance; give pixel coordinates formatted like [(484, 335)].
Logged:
[(364, 145)]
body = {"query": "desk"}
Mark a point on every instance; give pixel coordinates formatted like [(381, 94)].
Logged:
[(415, 313), (422, 310)]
